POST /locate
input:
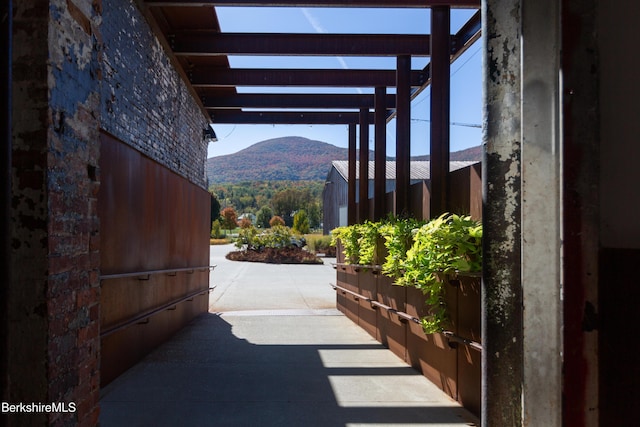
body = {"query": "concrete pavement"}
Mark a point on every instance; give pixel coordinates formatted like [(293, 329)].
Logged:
[(273, 351)]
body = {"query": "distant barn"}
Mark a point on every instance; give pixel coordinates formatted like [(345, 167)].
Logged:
[(334, 196)]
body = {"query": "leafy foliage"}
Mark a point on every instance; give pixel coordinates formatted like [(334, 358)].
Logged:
[(398, 237), (276, 221), (263, 216), (215, 229), (278, 236), (367, 242), (301, 222), (419, 255), (229, 218)]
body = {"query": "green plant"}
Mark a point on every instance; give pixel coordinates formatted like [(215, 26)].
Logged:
[(215, 229), (301, 222), (367, 242), (348, 237), (398, 238), (320, 244), (446, 245)]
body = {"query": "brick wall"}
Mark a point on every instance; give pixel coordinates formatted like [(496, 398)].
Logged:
[(145, 103), (54, 293)]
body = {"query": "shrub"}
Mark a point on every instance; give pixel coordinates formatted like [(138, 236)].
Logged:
[(245, 223), (321, 244), (301, 222), (215, 229), (398, 238), (276, 220)]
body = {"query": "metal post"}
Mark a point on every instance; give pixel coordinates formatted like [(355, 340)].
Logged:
[(380, 175), (440, 102), (403, 134), (352, 214), (5, 183), (502, 356), (363, 200)]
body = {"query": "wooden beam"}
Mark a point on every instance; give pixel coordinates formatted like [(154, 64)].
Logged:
[(211, 43), (213, 101), (285, 117), (202, 77)]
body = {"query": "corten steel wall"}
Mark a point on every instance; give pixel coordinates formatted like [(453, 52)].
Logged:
[(145, 103), (150, 219)]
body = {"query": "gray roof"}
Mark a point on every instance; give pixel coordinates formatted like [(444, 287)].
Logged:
[(419, 169)]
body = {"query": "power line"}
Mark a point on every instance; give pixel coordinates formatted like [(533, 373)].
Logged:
[(469, 125)]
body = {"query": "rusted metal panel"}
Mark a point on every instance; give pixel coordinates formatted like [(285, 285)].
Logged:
[(468, 322), (392, 331), (150, 219), (465, 195), (419, 200), (367, 316), (347, 278), (214, 43), (211, 77), (430, 354)]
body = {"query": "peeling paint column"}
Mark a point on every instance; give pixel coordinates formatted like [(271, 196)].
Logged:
[(541, 221), (502, 355)]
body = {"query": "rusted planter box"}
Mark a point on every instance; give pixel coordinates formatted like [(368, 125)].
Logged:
[(430, 354), (469, 359), (367, 282), (391, 330), (347, 278)]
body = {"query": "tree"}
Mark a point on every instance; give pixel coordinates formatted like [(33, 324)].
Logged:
[(215, 229), (215, 207), (229, 218), (315, 215), (275, 221), (288, 201), (245, 222), (301, 222), (264, 215)]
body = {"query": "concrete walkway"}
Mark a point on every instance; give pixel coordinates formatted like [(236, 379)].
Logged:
[(273, 351)]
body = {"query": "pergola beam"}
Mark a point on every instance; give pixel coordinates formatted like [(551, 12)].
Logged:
[(202, 77), (463, 4), (286, 117), (213, 101), (211, 43)]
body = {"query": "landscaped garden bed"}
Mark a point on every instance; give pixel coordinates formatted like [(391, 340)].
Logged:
[(288, 255)]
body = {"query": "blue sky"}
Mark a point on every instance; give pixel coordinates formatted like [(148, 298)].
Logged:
[(466, 78)]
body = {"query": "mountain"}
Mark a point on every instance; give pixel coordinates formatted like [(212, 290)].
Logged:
[(291, 158)]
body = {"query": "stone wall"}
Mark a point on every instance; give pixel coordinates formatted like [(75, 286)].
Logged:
[(145, 103)]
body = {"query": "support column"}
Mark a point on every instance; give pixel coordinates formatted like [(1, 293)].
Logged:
[(363, 200), (352, 214), (541, 222), (380, 175), (501, 290), (403, 134), (440, 102)]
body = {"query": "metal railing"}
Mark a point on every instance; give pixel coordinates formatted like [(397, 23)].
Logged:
[(407, 317), (145, 275)]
